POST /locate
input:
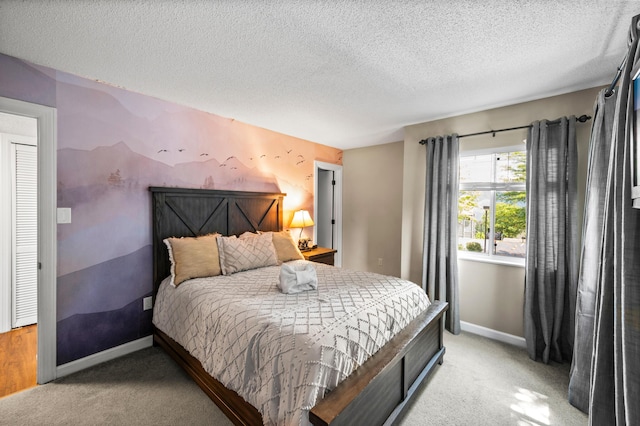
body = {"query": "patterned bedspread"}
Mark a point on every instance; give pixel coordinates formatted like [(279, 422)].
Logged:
[(283, 352)]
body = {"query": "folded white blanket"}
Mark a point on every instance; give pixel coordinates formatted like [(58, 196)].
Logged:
[(297, 277)]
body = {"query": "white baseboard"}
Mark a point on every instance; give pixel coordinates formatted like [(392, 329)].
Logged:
[(100, 357), (493, 334)]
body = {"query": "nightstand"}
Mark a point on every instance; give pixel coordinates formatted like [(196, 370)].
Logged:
[(320, 255)]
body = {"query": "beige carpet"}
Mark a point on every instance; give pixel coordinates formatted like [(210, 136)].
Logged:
[(482, 382)]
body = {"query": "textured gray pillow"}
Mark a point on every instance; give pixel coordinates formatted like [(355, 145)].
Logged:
[(241, 254), (286, 248)]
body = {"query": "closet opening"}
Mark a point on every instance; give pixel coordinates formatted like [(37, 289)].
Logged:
[(18, 252), (27, 241)]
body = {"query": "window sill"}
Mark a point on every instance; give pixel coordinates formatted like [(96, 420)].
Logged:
[(496, 260)]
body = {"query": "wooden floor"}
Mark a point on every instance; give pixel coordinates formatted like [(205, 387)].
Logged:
[(18, 363)]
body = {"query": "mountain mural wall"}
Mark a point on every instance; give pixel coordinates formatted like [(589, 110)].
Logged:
[(112, 145)]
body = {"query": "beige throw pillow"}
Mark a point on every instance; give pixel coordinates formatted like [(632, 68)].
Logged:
[(286, 248), (241, 254), (193, 257)]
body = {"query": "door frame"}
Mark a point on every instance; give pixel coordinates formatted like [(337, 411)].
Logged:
[(47, 228), (337, 169)]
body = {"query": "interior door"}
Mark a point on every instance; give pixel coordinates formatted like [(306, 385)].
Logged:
[(325, 220), (18, 229), (24, 280)]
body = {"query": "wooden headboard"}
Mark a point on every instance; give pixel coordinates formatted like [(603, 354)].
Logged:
[(180, 212)]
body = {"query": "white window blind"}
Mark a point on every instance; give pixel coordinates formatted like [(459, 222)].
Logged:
[(25, 235)]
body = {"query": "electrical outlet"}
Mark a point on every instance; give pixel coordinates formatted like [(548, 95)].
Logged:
[(380, 261), (147, 303)]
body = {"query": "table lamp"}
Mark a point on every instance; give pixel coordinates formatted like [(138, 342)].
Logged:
[(301, 219)]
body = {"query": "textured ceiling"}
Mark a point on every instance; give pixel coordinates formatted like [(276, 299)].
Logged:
[(342, 73)]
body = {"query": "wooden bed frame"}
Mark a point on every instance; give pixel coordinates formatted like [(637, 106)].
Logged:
[(374, 394)]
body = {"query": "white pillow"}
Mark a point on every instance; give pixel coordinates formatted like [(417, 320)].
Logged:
[(238, 254)]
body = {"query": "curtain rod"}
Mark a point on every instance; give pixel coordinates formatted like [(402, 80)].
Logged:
[(616, 77), (583, 118)]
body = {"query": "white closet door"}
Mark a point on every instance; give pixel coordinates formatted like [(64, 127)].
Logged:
[(25, 234)]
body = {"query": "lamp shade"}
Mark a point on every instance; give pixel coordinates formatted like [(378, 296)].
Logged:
[(301, 218)]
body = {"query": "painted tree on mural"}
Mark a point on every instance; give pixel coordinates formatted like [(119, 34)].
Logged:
[(208, 183), (115, 179)]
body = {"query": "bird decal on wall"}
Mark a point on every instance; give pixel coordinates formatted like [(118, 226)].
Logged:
[(163, 150), (204, 154)]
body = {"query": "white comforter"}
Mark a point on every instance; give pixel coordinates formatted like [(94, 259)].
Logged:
[(283, 352)]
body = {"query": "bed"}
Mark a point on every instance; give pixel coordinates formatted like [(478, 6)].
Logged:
[(375, 393)]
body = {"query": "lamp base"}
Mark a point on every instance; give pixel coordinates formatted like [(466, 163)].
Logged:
[(304, 244)]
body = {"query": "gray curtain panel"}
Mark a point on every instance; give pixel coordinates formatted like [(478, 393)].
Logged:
[(592, 240), (440, 250), (615, 371), (551, 272)]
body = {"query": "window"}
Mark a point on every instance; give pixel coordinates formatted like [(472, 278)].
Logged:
[(492, 205)]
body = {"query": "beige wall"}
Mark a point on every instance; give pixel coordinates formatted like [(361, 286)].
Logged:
[(372, 208), (383, 205), (490, 295)]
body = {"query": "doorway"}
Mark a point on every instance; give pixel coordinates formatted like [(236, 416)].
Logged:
[(18, 252), (45, 122), (328, 207)]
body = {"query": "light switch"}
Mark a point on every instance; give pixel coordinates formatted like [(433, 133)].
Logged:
[(64, 214)]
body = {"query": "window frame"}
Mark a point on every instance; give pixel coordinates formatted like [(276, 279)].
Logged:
[(493, 188)]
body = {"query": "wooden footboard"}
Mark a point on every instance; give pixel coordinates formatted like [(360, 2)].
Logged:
[(374, 394), (378, 390)]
